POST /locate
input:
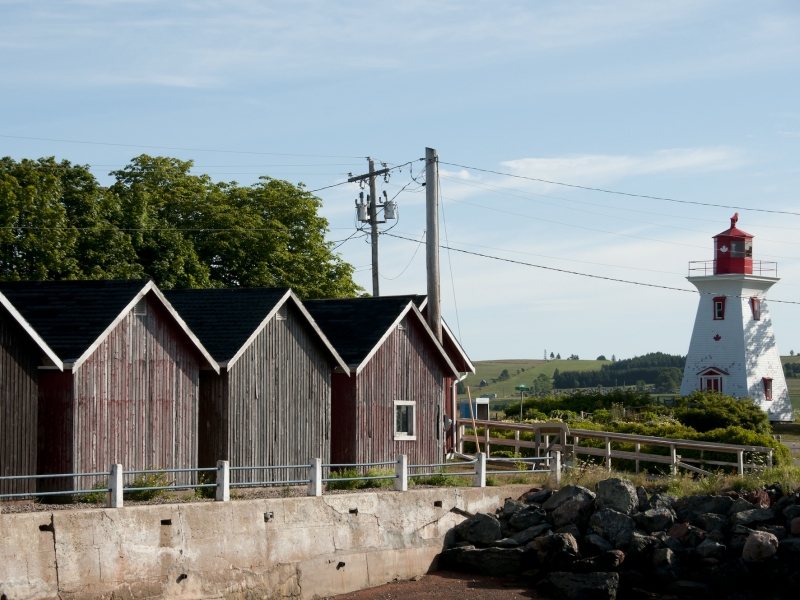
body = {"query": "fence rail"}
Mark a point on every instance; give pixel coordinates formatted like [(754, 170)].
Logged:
[(561, 434)]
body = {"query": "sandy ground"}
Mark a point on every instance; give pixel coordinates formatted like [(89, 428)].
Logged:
[(444, 585)]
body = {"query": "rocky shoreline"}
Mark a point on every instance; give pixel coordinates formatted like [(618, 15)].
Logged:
[(618, 541)]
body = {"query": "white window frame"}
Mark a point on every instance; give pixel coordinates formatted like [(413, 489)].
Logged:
[(403, 436)]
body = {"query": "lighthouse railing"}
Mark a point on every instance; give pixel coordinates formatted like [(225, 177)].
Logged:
[(705, 268)]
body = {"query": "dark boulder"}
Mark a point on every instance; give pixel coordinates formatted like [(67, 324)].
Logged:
[(607, 561), (739, 505), (585, 586), (479, 529), (753, 517), (641, 495), (484, 561), (594, 544), (659, 519), (565, 494), (539, 497), (791, 512), (557, 551), (713, 522), (573, 530), (511, 507), (614, 526), (688, 509), (711, 549), (529, 517), (617, 494), (574, 511), (684, 588), (659, 500), (779, 531), (789, 546), (530, 534)]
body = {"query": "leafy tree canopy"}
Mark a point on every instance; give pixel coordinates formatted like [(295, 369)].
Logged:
[(159, 221)]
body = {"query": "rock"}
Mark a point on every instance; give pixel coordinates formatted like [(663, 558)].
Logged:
[(564, 494), (586, 586), (616, 527), (659, 519), (779, 531), (574, 511), (529, 517), (484, 561), (728, 576), (759, 497), (688, 509), (711, 549), (717, 536), (641, 495), (641, 548), (759, 547), (661, 501), (557, 551), (617, 494), (538, 497), (664, 557), (789, 545), (479, 529), (688, 535), (739, 505), (607, 561), (739, 535), (689, 589), (794, 526), (593, 544), (530, 534), (679, 530), (572, 530), (783, 502), (791, 512), (753, 517), (505, 543), (713, 522), (511, 507)]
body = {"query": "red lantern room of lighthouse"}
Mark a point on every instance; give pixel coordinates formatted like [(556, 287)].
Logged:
[(733, 250)]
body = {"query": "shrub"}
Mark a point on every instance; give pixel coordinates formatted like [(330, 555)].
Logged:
[(148, 480), (359, 484), (705, 411), (204, 478), (94, 497), (441, 478)]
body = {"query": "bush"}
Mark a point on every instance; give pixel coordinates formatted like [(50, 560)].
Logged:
[(441, 479), (204, 478), (148, 480), (359, 484), (705, 411), (95, 497)]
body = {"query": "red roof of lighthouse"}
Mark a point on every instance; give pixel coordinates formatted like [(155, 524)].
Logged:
[(734, 231)]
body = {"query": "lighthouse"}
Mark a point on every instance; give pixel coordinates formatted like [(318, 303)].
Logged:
[(733, 349)]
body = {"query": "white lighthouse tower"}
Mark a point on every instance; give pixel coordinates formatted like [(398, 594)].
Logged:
[(733, 349)]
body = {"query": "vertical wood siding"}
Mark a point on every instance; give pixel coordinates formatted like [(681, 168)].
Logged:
[(136, 398), (277, 410), (19, 360), (405, 367)]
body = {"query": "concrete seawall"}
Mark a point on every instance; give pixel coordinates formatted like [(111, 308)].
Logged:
[(272, 548)]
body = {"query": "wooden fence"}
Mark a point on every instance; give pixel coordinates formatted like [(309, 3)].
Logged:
[(567, 441)]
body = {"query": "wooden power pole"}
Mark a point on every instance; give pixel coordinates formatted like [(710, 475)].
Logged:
[(432, 241)]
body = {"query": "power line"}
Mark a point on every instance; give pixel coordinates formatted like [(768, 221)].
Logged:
[(419, 245), (594, 189), (20, 137), (449, 262), (628, 281)]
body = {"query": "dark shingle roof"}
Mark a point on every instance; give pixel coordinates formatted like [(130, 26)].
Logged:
[(355, 325), (223, 319), (70, 315)]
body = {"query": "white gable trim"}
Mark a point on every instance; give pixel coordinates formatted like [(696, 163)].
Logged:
[(31, 332), (410, 308), (289, 296), (148, 287)]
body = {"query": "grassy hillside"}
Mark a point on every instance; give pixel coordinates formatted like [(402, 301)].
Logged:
[(491, 369)]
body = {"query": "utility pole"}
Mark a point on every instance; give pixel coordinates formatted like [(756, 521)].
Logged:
[(373, 217), (432, 241)]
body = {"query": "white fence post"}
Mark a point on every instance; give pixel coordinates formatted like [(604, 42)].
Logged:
[(115, 486), (401, 473), (479, 479), (740, 461), (555, 467), (223, 481), (315, 475)]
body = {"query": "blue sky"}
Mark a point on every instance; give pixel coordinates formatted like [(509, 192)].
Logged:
[(696, 101)]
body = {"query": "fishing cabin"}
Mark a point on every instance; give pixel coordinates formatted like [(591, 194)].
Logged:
[(126, 389), (271, 402), (394, 401), (22, 352)]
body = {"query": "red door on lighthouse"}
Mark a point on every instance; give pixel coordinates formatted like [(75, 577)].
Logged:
[(711, 380)]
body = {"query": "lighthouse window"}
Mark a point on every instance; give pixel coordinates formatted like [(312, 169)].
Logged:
[(768, 389), (748, 249), (755, 304), (737, 249), (719, 308)]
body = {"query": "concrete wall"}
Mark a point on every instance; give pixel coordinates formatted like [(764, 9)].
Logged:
[(273, 548)]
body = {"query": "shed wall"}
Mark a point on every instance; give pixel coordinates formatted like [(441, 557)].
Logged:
[(279, 402), (405, 367), (19, 359), (136, 398), (56, 434)]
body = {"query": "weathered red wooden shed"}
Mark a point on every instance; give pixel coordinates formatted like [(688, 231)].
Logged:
[(22, 352), (394, 401), (271, 402), (128, 392)]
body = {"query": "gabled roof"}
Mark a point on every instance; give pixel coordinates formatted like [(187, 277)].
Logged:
[(358, 326), (712, 371), (228, 320), (73, 317), (449, 341)]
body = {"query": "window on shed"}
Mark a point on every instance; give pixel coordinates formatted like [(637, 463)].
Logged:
[(140, 308), (405, 416), (719, 308), (755, 304), (283, 313), (767, 389)]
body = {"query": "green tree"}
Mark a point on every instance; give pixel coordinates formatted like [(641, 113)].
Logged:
[(543, 384), (669, 379), (705, 411)]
